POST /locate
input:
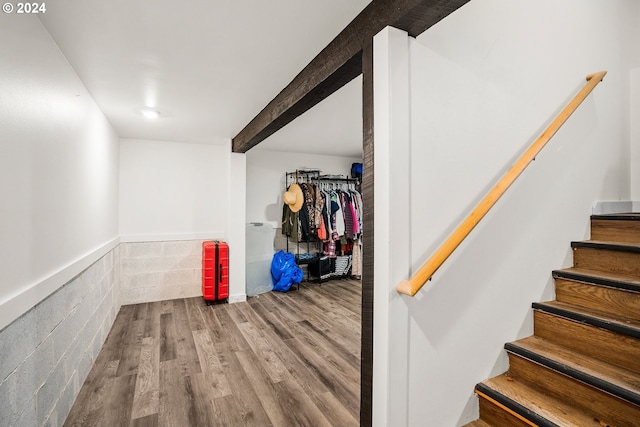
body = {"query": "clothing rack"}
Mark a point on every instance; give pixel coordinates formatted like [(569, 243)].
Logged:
[(337, 178), (313, 176), (326, 183), (300, 176), (336, 183)]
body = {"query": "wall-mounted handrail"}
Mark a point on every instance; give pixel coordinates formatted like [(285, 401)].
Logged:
[(414, 284)]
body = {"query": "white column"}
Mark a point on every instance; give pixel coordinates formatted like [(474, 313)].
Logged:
[(235, 233), (392, 225)]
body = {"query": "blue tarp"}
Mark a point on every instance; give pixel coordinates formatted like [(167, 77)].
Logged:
[(284, 271)]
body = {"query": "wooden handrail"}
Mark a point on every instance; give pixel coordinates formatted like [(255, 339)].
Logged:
[(412, 286)]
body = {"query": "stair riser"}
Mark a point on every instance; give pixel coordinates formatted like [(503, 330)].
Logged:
[(496, 416), (605, 345), (607, 260), (609, 300), (615, 230), (598, 404)]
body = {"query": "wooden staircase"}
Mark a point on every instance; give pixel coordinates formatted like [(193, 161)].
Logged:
[(582, 365)]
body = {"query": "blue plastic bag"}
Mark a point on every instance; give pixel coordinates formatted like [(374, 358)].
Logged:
[(284, 271)]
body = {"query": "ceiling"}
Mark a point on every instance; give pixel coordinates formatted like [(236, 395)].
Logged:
[(208, 66)]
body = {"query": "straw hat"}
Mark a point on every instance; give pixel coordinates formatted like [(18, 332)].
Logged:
[(294, 197)]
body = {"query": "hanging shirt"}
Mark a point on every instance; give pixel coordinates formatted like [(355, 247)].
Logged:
[(290, 223), (319, 205), (326, 214), (303, 215), (330, 248), (322, 230), (339, 216), (309, 203), (348, 215)]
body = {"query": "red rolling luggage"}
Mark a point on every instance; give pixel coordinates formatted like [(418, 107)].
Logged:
[(215, 271)]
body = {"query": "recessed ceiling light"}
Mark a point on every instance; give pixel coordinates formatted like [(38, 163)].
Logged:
[(150, 114)]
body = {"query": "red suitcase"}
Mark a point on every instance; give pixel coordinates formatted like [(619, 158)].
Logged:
[(215, 271)]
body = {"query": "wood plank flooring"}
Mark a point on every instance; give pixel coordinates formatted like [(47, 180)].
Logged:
[(289, 359)]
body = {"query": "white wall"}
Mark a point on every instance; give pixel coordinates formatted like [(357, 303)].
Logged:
[(59, 260), (265, 179), (634, 129), (172, 191), (58, 170), (634, 116), (483, 84)]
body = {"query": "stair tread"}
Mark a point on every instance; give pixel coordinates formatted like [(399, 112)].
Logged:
[(606, 244), (477, 423), (548, 408), (574, 349), (603, 278), (616, 380), (627, 216), (620, 324)]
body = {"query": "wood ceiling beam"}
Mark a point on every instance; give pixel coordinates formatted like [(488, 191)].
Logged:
[(340, 62)]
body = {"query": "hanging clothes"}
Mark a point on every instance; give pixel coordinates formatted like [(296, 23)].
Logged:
[(359, 209), (303, 216), (356, 266), (318, 206), (339, 228), (348, 215), (331, 213), (310, 204), (326, 215), (322, 230), (354, 214), (330, 248), (290, 223)]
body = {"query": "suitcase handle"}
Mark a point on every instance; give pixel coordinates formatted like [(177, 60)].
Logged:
[(220, 270)]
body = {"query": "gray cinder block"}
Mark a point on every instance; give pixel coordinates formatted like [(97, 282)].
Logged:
[(17, 342), (49, 393)]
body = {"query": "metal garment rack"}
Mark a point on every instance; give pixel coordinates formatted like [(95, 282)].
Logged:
[(313, 176), (336, 182), (299, 177)]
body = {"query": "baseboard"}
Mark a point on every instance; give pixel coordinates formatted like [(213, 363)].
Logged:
[(237, 298)]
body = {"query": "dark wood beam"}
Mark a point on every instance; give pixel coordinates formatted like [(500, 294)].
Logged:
[(340, 62), (366, 320)]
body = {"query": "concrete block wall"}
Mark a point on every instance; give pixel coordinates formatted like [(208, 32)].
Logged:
[(47, 353), (156, 271)]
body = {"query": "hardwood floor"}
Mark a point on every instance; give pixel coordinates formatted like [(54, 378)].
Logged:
[(289, 359)]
